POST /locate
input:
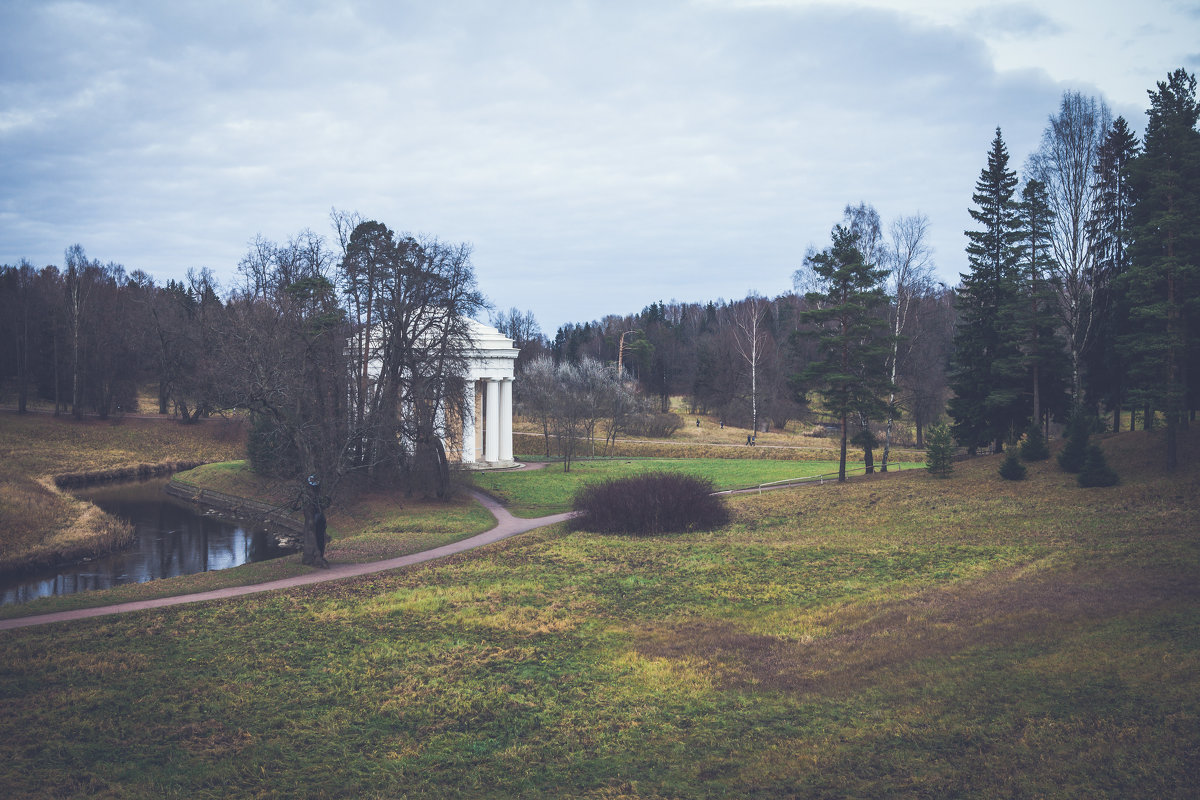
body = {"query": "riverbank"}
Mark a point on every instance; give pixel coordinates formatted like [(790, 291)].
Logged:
[(41, 454)]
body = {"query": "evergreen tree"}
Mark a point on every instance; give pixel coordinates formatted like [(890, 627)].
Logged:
[(1070, 458), (1034, 447), (1012, 469), (1095, 470), (1109, 235), (852, 336), (1046, 362), (1163, 278), (939, 452), (987, 371)]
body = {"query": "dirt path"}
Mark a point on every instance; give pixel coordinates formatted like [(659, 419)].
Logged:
[(507, 525)]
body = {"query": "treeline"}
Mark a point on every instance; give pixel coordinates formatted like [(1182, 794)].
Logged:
[(1082, 298), (87, 335), (745, 361)]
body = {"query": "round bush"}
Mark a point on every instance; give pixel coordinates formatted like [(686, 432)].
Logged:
[(645, 505)]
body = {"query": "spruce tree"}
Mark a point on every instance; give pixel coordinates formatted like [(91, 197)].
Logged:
[(1046, 363), (939, 451), (852, 336), (1109, 234), (1163, 278), (1012, 469), (1034, 447), (1095, 470), (987, 371), (1070, 458)]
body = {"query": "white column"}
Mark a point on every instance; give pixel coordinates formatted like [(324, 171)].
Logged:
[(506, 411), (468, 423), (491, 426)]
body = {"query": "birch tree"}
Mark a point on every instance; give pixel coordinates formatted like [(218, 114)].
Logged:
[(910, 264), (1066, 163), (750, 341)]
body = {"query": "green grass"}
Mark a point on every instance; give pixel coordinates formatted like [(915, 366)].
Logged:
[(898, 636), (550, 490)]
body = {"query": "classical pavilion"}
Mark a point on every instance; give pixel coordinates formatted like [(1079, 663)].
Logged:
[(487, 440)]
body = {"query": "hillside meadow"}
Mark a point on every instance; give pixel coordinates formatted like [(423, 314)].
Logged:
[(895, 636)]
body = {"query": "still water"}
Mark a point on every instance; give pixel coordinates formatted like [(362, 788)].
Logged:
[(170, 538)]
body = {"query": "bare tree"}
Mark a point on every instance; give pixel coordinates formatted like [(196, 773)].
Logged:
[(1066, 162), (523, 329), (750, 336), (536, 393), (910, 263)]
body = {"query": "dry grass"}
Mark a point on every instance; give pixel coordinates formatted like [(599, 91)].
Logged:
[(41, 524)]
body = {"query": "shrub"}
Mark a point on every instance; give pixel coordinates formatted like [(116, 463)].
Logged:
[(1095, 470), (1072, 455), (1012, 469), (649, 504), (939, 452), (1034, 447), (655, 426)]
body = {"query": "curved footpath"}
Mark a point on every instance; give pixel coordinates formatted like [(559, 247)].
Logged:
[(506, 525)]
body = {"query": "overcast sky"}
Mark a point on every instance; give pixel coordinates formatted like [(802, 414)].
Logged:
[(598, 155)]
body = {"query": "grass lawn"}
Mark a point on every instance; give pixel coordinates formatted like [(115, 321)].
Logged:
[(901, 636), (550, 490)]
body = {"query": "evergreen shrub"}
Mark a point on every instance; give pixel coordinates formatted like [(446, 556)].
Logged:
[(1070, 458), (649, 504), (1012, 469), (1095, 470), (1034, 447), (939, 452)]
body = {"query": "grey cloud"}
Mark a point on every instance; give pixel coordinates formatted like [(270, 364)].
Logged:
[(599, 155), (1014, 20)]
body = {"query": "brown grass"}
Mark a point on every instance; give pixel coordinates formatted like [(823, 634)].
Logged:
[(862, 643), (41, 524)]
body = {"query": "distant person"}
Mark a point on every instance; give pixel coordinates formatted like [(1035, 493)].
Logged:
[(749, 439), (697, 423)]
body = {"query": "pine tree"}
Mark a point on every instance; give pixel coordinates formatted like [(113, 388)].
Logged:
[(1070, 458), (939, 451), (852, 336), (1163, 278), (1095, 470), (1109, 235), (1012, 469), (988, 373), (1035, 313), (1034, 447)]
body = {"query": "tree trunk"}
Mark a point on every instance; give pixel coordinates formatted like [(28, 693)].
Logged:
[(842, 458)]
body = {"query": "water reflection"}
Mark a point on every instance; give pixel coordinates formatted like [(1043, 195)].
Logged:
[(170, 538)]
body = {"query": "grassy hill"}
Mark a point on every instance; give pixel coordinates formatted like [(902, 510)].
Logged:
[(896, 636)]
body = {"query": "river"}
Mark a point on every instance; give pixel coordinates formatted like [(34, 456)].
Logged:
[(171, 538)]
